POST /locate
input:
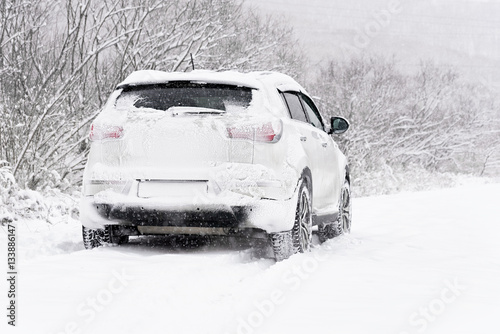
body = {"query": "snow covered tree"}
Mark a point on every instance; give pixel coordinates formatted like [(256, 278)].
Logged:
[(60, 60), (431, 119), (256, 42)]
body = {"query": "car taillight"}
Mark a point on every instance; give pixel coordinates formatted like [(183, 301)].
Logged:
[(101, 132), (267, 132)]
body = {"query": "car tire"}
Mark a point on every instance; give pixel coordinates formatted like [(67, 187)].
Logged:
[(343, 223), (299, 238), (93, 238), (282, 245)]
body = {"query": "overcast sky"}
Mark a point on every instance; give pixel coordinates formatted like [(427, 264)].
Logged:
[(462, 33)]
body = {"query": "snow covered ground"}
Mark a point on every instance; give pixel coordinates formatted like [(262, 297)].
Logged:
[(422, 262)]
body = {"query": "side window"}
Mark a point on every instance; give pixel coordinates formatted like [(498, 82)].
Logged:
[(294, 106), (312, 112)]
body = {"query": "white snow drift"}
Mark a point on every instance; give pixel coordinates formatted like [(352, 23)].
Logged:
[(425, 262)]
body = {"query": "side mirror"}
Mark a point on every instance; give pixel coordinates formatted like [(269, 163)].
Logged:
[(338, 125)]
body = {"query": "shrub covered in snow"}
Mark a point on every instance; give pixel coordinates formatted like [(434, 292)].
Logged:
[(8, 187), (17, 203), (422, 125), (386, 180)]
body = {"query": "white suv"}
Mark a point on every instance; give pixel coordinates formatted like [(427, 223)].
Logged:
[(214, 153)]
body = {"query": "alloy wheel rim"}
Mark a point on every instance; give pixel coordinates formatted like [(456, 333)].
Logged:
[(346, 210), (305, 235)]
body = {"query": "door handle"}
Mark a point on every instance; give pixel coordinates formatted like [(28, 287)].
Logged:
[(303, 138)]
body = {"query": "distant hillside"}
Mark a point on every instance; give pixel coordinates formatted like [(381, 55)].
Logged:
[(461, 33)]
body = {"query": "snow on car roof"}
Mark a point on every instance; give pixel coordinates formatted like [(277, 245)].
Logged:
[(278, 80), (255, 80), (156, 77)]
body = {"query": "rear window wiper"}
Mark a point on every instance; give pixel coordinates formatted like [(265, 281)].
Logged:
[(176, 111)]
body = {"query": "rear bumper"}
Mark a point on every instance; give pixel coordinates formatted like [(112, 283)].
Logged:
[(229, 213), (229, 196), (229, 217)]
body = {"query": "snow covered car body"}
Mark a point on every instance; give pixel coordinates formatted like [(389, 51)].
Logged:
[(205, 153)]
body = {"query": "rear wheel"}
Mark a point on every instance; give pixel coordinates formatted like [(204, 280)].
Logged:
[(343, 223), (299, 238), (93, 238)]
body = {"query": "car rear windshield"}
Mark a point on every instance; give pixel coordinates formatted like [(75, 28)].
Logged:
[(185, 94)]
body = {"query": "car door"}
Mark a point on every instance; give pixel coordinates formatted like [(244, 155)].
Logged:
[(311, 141), (328, 159)]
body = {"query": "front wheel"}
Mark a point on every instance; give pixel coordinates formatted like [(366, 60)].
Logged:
[(299, 238), (343, 223)]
